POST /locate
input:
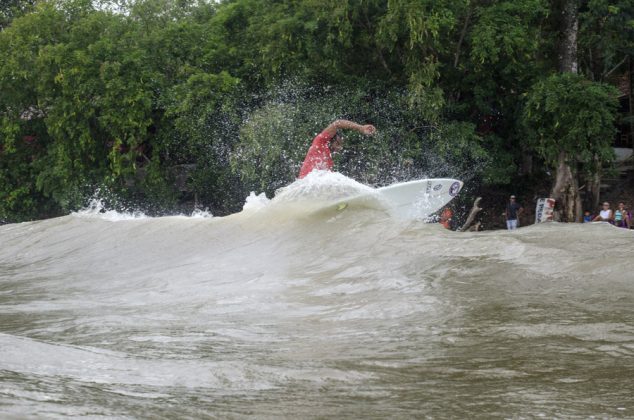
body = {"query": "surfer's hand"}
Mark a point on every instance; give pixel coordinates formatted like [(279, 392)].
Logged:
[(368, 129)]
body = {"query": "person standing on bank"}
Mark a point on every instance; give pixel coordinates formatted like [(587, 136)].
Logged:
[(329, 141), (512, 213)]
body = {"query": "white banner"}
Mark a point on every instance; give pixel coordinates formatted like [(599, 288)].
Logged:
[(544, 210)]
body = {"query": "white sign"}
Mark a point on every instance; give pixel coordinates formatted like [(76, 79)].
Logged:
[(544, 210)]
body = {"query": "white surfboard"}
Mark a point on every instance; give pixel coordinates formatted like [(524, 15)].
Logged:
[(407, 200)]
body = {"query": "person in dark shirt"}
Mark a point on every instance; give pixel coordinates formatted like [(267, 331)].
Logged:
[(512, 213)]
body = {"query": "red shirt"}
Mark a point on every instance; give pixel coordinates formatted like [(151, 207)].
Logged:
[(318, 156)]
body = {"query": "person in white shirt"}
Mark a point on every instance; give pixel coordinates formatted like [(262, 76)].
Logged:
[(605, 215)]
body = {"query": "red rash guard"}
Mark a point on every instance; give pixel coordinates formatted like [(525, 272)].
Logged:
[(318, 156)]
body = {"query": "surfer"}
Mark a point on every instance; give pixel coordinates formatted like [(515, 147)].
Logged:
[(330, 140)]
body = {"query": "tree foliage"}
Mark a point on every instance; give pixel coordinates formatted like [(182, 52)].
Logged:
[(568, 113), (166, 102)]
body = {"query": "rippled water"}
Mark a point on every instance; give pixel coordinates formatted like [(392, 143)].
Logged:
[(275, 313)]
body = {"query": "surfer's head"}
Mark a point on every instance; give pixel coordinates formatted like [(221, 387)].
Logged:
[(337, 142)]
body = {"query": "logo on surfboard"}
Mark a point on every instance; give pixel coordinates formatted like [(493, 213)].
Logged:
[(438, 187), (454, 189), (428, 187)]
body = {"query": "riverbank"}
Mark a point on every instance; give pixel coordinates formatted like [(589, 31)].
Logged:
[(494, 202)]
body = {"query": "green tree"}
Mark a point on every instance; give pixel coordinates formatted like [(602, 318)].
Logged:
[(10, 9), (606, 38), (85, 85), (173, 101), (570, 118)]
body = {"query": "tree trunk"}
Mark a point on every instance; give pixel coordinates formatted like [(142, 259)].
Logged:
[(463, 32), (566, 192), (594, 187), (472, 214), (527, 162), (566, 188), (630, 94), (570, 29)]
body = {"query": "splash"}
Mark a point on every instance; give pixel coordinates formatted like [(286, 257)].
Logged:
[(97, 208), (255, 202), (277, 131), (317, 189), (321, 186), (201, 214)]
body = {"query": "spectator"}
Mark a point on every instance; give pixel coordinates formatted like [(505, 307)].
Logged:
[(587, 217), (605, 215), (512, 213), (622, 217)]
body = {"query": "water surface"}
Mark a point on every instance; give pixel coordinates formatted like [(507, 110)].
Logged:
[(281, 312)]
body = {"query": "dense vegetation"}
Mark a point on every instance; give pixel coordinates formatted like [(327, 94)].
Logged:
[(166, 102)]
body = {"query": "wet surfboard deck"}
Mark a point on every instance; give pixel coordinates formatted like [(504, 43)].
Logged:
[(405, 200)]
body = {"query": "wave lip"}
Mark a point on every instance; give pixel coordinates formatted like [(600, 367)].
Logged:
[(316, 191), (321, 186)]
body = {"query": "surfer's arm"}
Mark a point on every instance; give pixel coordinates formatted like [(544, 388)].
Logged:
[(349, 125)]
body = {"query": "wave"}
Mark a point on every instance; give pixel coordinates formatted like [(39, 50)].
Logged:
[(283, 309)]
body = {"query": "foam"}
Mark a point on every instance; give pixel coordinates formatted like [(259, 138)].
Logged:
[(321, 186), (97, 209), (314, 190), (255, 202)]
